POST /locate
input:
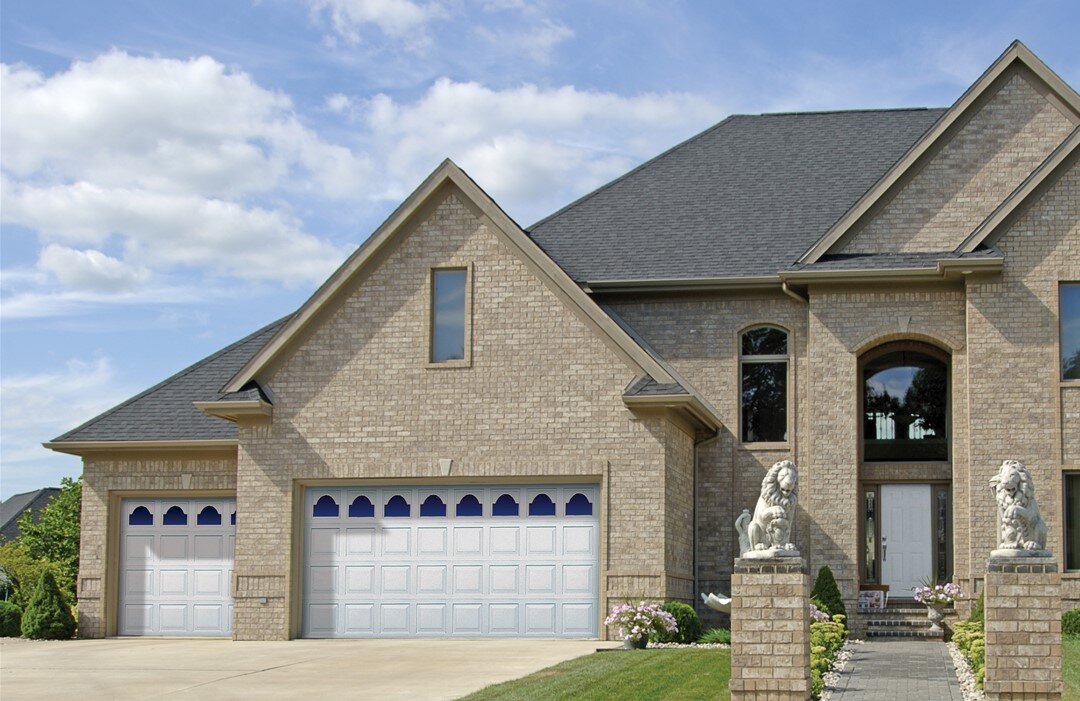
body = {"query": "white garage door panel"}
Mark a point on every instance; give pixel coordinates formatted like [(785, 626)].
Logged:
[(432, 572), (176, 565)]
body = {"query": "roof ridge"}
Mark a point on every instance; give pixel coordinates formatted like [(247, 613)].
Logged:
[(845, 111), (169, 379), (632, 171)]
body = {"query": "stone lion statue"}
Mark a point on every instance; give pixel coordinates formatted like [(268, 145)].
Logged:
[(770, 527), (1022, 527)]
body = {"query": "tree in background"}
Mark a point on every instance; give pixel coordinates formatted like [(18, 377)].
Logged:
[(54, 535)]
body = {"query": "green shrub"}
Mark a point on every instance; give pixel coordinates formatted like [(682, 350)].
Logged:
[(23, 571), (10, 619), (48, 617), (969, 638), (826, 639), (1070, 622), (817, 684), (827, 594), (686, 618), (716, 635), (977, 610)]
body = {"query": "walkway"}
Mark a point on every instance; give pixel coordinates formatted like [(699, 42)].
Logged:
[(899, 670)]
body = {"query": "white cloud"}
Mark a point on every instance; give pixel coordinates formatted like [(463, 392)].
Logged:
[(89, 270), (536, 42), (39, 407), (394, 18)]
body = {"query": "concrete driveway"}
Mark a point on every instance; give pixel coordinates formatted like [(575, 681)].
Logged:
[(154, 668)]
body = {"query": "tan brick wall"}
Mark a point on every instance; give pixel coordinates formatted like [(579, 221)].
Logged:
[(1015, 388), (1023, 634), (966, 179), (541, 400), (132, 474)]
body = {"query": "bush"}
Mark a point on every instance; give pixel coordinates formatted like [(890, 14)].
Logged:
[(826, 639), (1070, 622), (10, 620), (826, 594), (53, 535), (716, 635), (969, 638), (687, 620), (977, 610), (23, 571), (48, 617)]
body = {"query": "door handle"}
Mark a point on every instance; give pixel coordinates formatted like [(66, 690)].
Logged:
[(884, 549)]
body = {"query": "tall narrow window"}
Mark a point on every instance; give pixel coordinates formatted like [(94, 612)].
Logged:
[(1070, 330), (763, 356), (448, 305), (905, 407), (1072, 521)]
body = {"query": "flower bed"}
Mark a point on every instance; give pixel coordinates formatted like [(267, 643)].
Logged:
[(827, 636), (638, 622)]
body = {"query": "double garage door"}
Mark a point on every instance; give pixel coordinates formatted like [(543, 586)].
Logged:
[(176, 561), (462, 561)]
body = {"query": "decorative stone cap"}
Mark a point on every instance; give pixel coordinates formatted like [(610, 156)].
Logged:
[(1021, 565), (771, 565)]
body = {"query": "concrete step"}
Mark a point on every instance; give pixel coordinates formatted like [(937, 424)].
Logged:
[(903, 632), (898, 622)]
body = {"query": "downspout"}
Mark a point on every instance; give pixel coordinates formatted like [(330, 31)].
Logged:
[(805, 300), (793, 294), (694, 545)]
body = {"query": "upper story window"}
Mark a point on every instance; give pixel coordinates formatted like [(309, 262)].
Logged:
[(448, 314), (1070, 330), (763, 370), (905, 407)]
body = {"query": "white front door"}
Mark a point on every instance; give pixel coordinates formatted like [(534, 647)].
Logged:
[(906, 537)]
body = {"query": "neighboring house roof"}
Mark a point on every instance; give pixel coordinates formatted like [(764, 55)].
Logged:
[(744, 198), (165, 411), (18, 504)]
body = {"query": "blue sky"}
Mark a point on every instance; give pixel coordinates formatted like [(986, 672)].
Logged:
[(178, 174)]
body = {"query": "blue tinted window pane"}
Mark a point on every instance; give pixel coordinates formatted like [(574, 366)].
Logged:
[(505, 506), (141, 516), (1070, 331), (542, 505), (361, 507), (209, 516), (579, 505), (448, 315), (397, 506), (469, 506), (325, 507), (232, 519), (433, 506), (175, 516)]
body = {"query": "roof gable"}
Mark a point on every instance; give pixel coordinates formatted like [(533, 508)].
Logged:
[(1016, 58), (368, 255)]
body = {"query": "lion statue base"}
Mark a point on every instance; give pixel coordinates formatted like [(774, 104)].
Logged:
[(767, 533), (1022, 530)]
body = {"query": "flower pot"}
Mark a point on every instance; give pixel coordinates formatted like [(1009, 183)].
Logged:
[(635, 644), (936, 614)]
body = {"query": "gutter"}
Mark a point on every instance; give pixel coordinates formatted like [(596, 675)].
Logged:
[(82, 447), (944, 268), (752, 282), (236, 409)]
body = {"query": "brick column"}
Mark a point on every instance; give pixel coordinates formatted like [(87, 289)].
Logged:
[(1023, 629), (770, 630)]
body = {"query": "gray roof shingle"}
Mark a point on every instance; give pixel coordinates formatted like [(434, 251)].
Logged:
[(165, 411), (14, 506), (746, 197)]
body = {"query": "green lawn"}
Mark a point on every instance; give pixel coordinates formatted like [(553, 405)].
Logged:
[(1070, 667), (631, 674)]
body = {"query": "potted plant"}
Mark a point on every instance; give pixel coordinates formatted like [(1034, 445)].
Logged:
[(637, 622), (936, 597)]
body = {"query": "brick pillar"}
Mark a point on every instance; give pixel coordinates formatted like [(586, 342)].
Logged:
[(770, 630), (1023, 629)]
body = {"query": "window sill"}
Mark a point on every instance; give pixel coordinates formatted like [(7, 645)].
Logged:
[(1070, 383), (766, 446), (449, 365), (1071, 575)]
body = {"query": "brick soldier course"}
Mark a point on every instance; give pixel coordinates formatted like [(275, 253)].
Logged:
[(605, 346)]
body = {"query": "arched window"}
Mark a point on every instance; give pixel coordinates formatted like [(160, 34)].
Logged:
[(469, 506), (905, 404), (505, 506), (433, 506), (542, 505), (763, 373), (209, 516), (579, 505), (361, 507), (141, 516), (175, 516), (325, 507), (397, 506)]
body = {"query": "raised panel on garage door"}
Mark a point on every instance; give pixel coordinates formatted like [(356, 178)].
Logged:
[(176, 562), (467, 561)]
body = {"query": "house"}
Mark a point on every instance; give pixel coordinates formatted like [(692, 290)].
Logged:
[(12, 509), (473, 429)]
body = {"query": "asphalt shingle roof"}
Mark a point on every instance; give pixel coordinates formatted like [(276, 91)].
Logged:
[(16, 504), (882, 261), (165, 411), (746, 197)]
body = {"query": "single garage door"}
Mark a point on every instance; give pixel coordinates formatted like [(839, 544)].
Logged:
[(462, 561), (176, 561)]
